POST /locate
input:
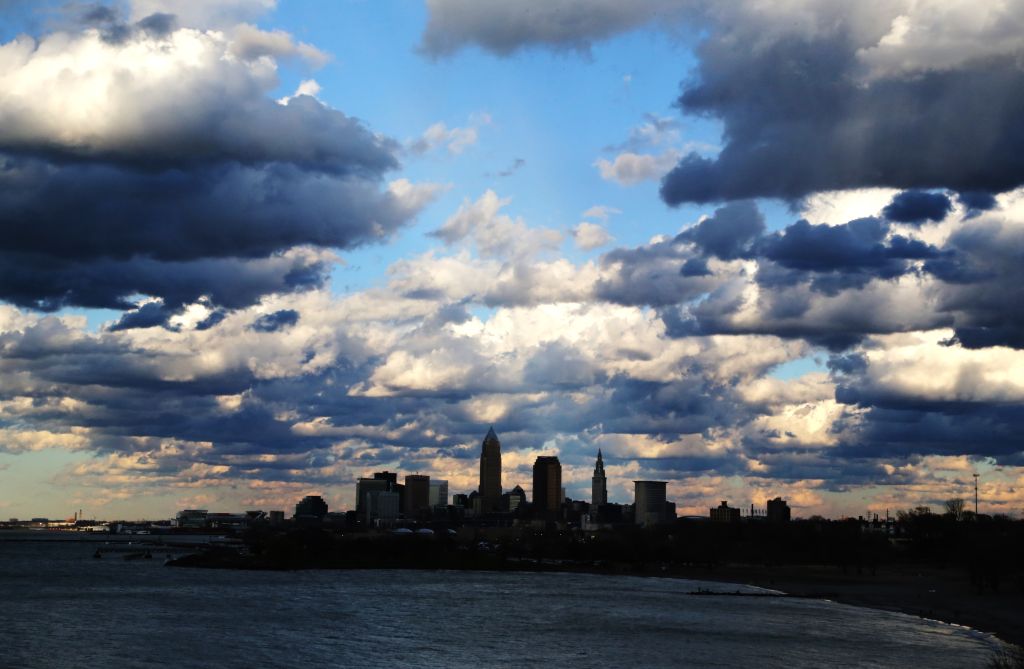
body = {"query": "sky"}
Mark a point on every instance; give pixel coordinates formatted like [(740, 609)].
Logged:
[(253, 250)]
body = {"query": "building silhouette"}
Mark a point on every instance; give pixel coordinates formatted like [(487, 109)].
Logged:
[(778, 511), (438, 493), (513, 499), (311, 506), (547, 485), (417, 494), (390, 477), (649, 502), (725, 513), (599, 484), (381, 508), (490, 473), (370, 486)]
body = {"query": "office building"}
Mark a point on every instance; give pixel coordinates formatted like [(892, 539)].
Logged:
[(192, 518), (365, 486), (649, 502), (547, 486), (725, 514), (778, 511), (381, 508), (417, 494), (311, 506), (513, 499), (390, 477), (490, 473), (438, 493)]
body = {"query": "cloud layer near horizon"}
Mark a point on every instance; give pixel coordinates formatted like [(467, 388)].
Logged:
[(661, 355)]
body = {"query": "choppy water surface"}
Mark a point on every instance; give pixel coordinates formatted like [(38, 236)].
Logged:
[(61, 608)]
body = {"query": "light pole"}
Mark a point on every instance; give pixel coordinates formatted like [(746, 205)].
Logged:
[(975, 497)]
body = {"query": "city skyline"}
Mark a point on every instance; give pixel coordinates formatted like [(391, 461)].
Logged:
[(253, 250)]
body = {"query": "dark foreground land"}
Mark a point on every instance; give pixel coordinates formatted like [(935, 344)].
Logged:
[(968, 574), (945, 594)]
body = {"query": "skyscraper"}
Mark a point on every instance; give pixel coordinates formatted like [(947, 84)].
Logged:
[(547, 485), (599, 484), (417, 494), (490, 473)]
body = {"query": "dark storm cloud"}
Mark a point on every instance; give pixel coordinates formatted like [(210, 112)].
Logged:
[(729, 232), (43, 282), (506, 27), (187, 187), (93, 235), (148, 315), (983, 275), (977, 201), (158, 24), (916, 207), (817, 99), (96, 211), (659, 274), (279, 320), (780, 144), (937, 429), (836, 257)]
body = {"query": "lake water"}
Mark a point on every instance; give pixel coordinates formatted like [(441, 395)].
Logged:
[(59, 607)]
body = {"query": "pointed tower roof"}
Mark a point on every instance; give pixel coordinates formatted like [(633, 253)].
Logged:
[(491, 434)]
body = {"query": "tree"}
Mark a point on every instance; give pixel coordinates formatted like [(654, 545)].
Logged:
[(955, 508), (910, 515)]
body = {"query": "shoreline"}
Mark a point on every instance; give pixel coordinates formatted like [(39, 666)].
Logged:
[(942, 595)]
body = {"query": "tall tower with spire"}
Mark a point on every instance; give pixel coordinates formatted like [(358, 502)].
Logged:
[(490, 473), (599, 484)]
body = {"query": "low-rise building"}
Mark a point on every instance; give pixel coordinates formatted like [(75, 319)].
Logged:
[(724, 513)]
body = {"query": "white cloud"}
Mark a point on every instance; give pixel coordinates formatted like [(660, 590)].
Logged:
[(249, 43), (415, 196), (590, 236), (454, 140), (494, 233), (629, 169), (600, 212), (308, 87)]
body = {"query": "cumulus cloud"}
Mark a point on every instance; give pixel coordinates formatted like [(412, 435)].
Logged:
[(873, 71), (504, 28), (178, 169), (916, 207), (589, 236), (494, 233), (307, 388), (629, 169), (729, 232)]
